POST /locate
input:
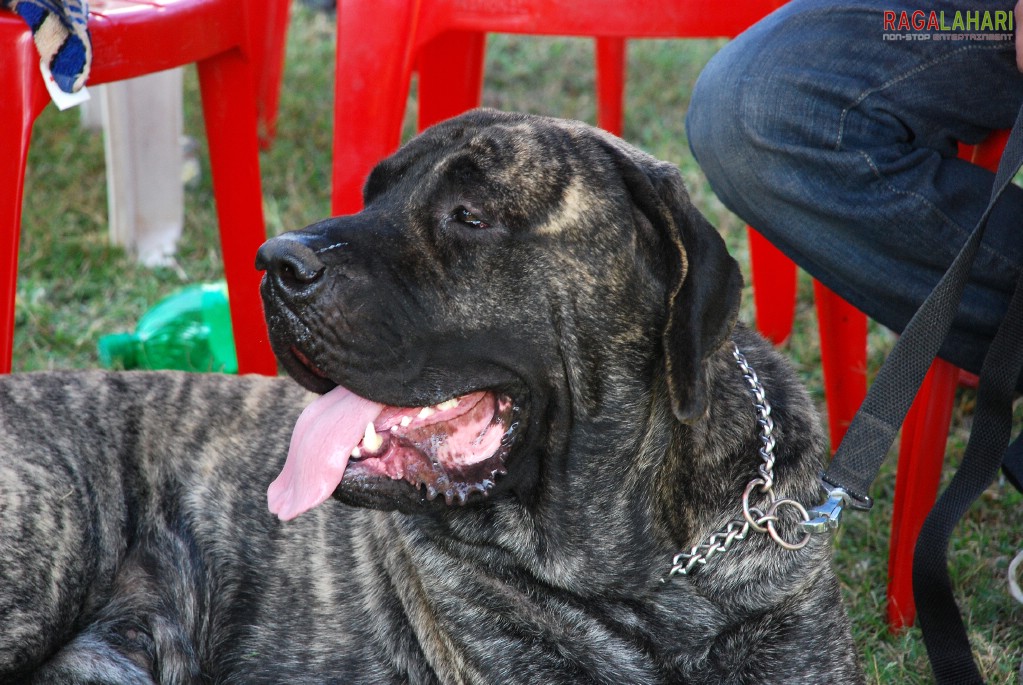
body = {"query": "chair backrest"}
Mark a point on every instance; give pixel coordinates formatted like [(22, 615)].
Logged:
[(380, 43)]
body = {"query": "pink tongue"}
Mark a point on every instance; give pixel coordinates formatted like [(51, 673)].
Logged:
[(321, 443)]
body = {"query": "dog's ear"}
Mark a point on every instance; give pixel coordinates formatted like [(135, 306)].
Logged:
[(703, 282)]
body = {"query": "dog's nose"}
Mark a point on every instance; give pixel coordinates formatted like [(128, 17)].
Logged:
[(291, 262)]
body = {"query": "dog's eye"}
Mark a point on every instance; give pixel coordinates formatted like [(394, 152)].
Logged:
[(464, 216)]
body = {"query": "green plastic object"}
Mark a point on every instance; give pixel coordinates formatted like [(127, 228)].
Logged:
[(189, 330)]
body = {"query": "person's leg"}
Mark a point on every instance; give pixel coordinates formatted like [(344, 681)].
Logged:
[(839, 146)]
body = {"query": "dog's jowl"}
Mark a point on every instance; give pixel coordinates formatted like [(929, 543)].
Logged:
[(514, 398)]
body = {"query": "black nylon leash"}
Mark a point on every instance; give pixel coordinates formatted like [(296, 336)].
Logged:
[(944, 632), (870, 435)]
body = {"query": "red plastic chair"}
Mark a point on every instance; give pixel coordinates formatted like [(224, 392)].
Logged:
[(843, 332), (130, 39), (444, 40), (269, 38)]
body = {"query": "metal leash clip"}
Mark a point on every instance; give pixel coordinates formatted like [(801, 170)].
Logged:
[(827, 516)]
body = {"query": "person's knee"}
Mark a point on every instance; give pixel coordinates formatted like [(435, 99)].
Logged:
[(711, 123), (735, 158), (761, 122)]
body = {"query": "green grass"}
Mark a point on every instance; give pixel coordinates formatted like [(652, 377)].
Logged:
[(72, 286)]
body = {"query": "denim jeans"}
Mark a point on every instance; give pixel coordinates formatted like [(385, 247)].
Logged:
[(839, 146)]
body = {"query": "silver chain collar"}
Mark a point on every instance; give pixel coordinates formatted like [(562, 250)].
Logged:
[(760, 520)]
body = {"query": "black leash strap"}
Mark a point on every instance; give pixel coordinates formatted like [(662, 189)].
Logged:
[(944, 633), (858, 459)]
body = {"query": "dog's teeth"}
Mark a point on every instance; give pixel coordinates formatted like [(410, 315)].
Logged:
[(371, 441), (356, 453), (406, 421), (449, 404), (426, 412)]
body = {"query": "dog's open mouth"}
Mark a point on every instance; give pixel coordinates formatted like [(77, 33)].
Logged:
[(452, 449)]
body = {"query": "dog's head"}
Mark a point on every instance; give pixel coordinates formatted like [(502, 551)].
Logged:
[(518, 293)]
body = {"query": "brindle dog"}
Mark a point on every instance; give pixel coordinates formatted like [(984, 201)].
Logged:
[(528, 405)]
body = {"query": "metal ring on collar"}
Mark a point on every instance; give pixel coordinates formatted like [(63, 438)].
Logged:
[(776, 536)]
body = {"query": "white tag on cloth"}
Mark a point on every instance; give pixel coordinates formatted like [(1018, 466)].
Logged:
[(60, 98)]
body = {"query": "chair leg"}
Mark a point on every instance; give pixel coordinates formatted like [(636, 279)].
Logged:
[(774, 288), (921, 457), (370, 91), (22, 98), (269, 26), (450, 76), (611, 84), (843, 331), (229, 110)]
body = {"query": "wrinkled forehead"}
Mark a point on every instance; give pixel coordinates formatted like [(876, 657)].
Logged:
[(528, 171)]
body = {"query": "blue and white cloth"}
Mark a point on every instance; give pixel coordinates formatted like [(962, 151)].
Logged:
[(61, 34)]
